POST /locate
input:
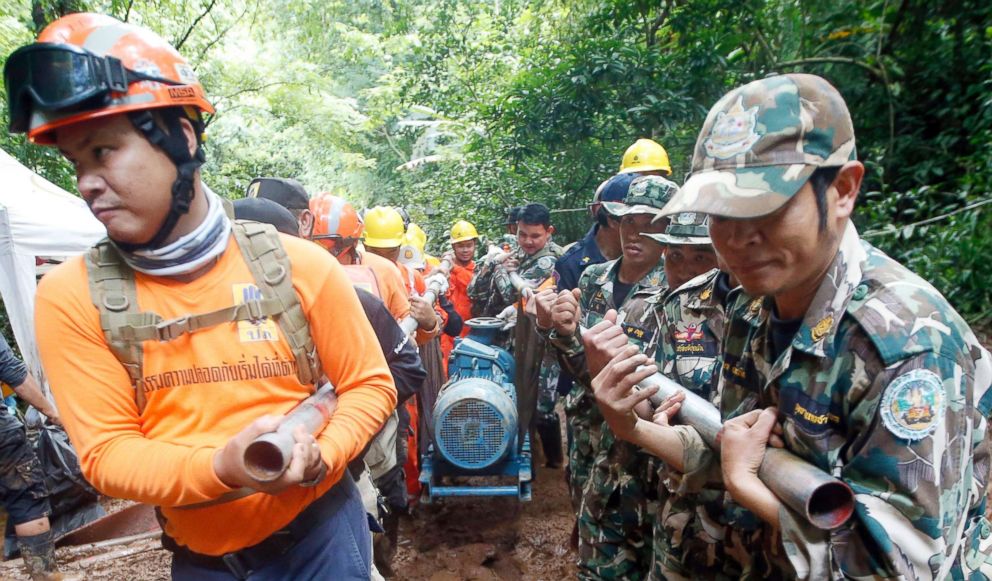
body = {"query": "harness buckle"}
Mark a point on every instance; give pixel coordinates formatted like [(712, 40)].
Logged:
[(169, 330), (254, 308)]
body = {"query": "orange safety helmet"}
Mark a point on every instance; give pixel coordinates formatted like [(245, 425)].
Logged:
[(99, 54), (87, 66), (336, 225)]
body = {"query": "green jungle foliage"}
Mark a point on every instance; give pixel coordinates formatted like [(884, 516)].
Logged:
[(460, 108)]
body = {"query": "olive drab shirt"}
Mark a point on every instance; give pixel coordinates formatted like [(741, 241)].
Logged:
[(886, 387)]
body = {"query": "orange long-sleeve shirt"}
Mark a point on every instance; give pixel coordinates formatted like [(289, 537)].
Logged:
[(392, 284), (458, 279), (205, 387), (414, 283)]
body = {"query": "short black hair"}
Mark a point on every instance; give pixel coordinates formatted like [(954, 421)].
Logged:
[(820, 180), (535, 214)]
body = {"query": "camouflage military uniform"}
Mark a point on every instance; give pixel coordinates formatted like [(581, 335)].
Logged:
[(509, 243), (687, 534), (607, 476), (886, 387), (491, 290)]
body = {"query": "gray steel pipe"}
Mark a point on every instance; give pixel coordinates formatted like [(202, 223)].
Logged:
[(268, 456), (823, 500), (437, 281)]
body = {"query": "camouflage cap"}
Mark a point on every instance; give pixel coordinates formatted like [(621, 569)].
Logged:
[(646, 195), (687, 228), (760, 144)]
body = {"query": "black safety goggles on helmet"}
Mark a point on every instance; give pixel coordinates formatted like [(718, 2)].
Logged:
[(63, 78)]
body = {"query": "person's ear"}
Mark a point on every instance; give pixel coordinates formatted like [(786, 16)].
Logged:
[(190, 133), (306, 224), (847, 184)]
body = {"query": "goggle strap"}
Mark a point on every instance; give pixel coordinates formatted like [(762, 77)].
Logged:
[(117, 74)]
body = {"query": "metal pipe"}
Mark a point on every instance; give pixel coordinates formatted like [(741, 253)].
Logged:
[(823, 500), (437, 281), (268, 456)]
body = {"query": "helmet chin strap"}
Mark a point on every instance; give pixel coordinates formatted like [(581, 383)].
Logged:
[(176, 148)]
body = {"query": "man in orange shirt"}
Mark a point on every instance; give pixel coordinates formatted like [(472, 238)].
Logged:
[(339, 229), (384, 237), (165, 356), (464, 239)]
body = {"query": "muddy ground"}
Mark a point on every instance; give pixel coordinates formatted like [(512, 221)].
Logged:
[(492, 538), (486, 538)]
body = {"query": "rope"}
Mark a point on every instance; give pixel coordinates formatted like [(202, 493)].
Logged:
[(893, 230)]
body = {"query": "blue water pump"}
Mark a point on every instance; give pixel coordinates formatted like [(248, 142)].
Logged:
[(475, 427)]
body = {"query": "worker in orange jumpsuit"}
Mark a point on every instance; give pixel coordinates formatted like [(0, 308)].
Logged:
[(464, 240)]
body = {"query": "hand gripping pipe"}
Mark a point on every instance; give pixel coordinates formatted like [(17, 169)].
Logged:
[(825, 501), (437, 283), (268, 456)]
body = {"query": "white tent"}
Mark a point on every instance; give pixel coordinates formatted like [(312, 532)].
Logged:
[(37, 218)]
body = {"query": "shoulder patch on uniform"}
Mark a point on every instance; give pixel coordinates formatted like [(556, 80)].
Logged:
[(546, 262), (913, 404)]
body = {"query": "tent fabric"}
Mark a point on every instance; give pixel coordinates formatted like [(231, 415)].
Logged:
[(37, 218)]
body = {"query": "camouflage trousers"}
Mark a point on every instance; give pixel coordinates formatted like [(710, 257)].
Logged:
[(547, 386), (615, 530), (583, 421)]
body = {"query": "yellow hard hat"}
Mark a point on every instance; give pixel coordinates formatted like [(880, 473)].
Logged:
[(434, 261), (383, 228), (645, 155), (462, 231), (411, 239), (417, 233)]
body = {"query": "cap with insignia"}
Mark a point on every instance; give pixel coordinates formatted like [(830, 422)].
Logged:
[(647, 195), (761, 142), (687, 228)]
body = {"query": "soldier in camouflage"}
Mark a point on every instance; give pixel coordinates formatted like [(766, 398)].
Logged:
[(534, 260), (692, 319), (608, 477), (509, 240), (847, 358)]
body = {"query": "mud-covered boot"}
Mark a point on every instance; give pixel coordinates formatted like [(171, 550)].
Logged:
[(384, 547), (38, 552)]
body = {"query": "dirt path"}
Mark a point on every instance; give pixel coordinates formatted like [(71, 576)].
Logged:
[(491, 538)]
